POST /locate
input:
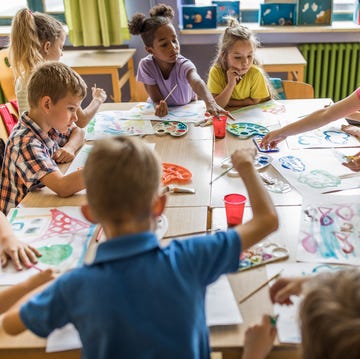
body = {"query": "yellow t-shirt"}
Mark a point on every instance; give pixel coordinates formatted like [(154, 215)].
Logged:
[(253, 84)]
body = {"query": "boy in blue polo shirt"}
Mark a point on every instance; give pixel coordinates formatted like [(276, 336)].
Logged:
[(138, 299)]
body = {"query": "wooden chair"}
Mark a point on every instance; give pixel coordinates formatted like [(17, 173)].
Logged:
[(297, 90)]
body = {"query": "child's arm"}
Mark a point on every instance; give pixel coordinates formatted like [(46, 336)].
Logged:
[(11, 247), (12, 294), (284, 288), (85, 115), (161, 108), (316, 119), (200, 88), (64, 185), (265, 219), (66, 153), (259, 339)]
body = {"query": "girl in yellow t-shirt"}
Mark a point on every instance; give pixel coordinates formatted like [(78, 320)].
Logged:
[(234, 79)]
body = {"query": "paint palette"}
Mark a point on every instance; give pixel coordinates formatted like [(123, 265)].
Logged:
[(262, 254), (173, 128), (245, 130), (162, 226), (173, 173), (260, 161)]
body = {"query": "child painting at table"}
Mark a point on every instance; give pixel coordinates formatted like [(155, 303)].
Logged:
[(153, 295), (234, 78), (55, 93), (165, 70), (36, 37), (346, 107), (329, 314)]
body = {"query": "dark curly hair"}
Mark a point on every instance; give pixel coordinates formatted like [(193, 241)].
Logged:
[(160, 14)]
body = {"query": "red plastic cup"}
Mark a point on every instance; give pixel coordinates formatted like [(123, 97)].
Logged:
[(219, 126), (234, 208)]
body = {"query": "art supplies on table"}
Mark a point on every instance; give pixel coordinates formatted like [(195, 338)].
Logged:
[(173, 173), (244, 130), (60, 234), (261, 254), (111, 123), (260, 161), (257, 140), (172, 128), (330, 230), (274, 184)]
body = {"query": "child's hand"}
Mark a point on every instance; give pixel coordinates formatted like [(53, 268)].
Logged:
[(259, 339), (354, 163), (351, 130), (64, 155), (98, 94), (284, 288), (43, 277), (243, 159), (233, 76), (18, 252), (272, 139), (213, 109), (161, 109)]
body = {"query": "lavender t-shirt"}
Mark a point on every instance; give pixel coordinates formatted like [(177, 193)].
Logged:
[(150, 74)]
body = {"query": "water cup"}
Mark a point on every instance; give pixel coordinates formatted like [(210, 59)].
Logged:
[(234, 208), (219, 125)]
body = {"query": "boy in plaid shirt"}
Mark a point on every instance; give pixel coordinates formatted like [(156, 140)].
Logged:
[(55, 93)]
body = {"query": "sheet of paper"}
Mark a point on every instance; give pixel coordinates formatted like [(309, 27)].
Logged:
[(111, 123), (192, 112), (65, 338), (61, 234), (330, 230), (316, 171), (288, 325), (220, 304)]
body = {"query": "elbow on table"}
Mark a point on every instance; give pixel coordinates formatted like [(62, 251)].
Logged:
[(271, 222), (11, 326)]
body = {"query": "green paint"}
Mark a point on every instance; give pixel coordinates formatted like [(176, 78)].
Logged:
[(13, 215), (55, 254)]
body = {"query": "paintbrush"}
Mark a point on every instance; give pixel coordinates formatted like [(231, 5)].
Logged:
[(191, 233), (222, 174), (172, 90), (246, 297)]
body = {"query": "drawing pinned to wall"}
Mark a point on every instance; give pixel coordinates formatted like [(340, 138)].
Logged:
[(288, 330), (324, 137), (60, 234), (111, 123), (318, 173), (192, 112)]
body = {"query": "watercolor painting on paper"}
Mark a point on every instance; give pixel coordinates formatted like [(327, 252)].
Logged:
[(111, 123), (330, 230), (315, 173), (60, 234)]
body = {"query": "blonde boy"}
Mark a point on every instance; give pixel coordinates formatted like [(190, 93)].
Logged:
[(139, 299), (55, 93)]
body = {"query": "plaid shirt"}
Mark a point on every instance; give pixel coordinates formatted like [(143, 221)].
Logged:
[(28, 158)]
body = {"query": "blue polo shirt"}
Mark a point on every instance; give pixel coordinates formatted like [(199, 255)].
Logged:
[(137, 299)]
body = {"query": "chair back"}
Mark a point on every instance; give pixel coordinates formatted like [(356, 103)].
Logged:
[(297, 90)]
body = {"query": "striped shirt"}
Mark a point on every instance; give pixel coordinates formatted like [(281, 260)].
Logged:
[(28, 158)]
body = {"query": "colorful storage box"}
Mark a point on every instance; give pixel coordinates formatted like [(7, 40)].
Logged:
[(314, 12), (226, 9), (277, 14), (199, 17)]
